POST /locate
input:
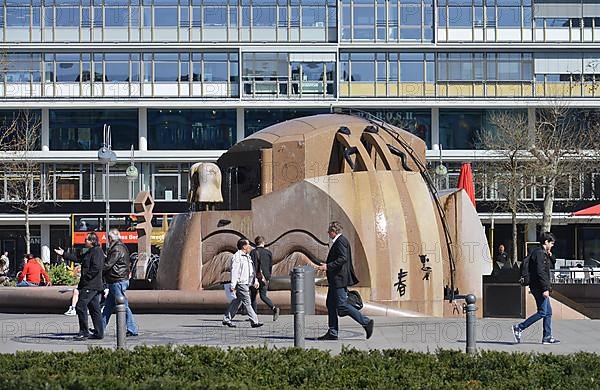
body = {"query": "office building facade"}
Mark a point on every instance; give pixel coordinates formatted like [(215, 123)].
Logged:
[(180, 81)]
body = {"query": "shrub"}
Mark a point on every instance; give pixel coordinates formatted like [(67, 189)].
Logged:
[(245, 368), (9, 283), (60, 275)]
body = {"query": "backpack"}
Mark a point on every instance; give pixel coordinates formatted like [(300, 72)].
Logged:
[(524, 279)]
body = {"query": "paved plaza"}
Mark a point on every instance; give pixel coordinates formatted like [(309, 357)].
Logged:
[(51, 332)]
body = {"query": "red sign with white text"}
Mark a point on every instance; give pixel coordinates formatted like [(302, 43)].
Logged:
[(126, 237)]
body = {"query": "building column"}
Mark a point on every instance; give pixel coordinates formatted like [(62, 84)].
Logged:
[(143, 128), (45, 136), (435, 128), (240, 135), (531, 121), (45, 242)]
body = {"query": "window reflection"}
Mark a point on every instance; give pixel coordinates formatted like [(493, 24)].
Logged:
[(191, 129), (82, 129), (258, 119)]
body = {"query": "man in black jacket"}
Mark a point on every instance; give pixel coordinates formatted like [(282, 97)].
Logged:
[(262, 258), (90, 288), (540, 263), (116, 275), (340, 275)]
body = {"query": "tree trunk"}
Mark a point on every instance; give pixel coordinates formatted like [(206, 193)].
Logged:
[(548, 204), (514, 238), (27, 232)]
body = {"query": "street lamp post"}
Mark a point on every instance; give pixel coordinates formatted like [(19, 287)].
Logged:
[(106, 156), (132, 173)]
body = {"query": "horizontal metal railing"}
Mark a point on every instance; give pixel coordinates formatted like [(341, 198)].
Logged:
[(585, 275)]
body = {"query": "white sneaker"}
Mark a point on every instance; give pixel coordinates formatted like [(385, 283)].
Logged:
[(71, 311)]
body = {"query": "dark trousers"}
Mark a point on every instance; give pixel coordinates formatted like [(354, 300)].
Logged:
[(89, 300), (262, 290), (544, 313), (337, 303)]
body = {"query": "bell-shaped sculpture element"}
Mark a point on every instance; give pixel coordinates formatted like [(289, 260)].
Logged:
[(206, 183)]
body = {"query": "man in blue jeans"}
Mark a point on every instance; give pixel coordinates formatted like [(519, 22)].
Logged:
[(540, 263), (340, 275), (116, 276)]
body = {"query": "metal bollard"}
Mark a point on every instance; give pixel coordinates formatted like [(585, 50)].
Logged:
[(471, 323), (121, 321), (309, 290), (298, 305)]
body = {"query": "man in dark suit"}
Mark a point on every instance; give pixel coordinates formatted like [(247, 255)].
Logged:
[(340, 275), (263, 265)]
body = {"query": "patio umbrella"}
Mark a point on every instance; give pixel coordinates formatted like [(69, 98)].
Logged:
[(590, 211), (465, 181)]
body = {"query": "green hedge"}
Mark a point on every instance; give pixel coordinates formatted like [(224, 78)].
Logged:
[(252, 368)]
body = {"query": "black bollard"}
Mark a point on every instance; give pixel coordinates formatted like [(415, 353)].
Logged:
[(121, 321), (471, 323), (298, 305)]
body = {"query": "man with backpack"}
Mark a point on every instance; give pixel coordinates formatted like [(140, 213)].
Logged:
[(535, 272)]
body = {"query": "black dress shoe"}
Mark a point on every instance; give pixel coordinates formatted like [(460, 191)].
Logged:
[(95, 337), (328, 336), (81, 337), (130, 334), (228, 323), (369, 328), (256, 324)]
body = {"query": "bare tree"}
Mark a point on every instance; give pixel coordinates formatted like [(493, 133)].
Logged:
[(507, 171), (564, 144), (24, 175), (560, 148)]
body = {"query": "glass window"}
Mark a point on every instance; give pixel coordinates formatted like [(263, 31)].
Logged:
[(191, 129), (67, 185), (17, 17), (417, 122), (509, 66), (116, 16), (313, 16), (67, 67), (410, 15), (67, 17), (364, 21), (264, 16), (215, 16), (459, 130), (460, 17), (509, 17), (83, 129), (22, 68), (411, 68), (215, 70), (166, 67), (442, 16), (393, 70), (166, 186), (258, 119), (116, 71), (557, 23), (165, 16)]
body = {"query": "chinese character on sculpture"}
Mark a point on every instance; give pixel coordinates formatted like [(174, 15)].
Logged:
[(401, 283)]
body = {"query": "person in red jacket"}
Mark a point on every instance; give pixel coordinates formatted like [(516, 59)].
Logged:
[(32, 273)]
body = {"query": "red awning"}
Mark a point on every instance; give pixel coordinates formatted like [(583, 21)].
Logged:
[(590, 211), (465, 181)]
